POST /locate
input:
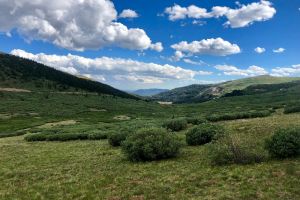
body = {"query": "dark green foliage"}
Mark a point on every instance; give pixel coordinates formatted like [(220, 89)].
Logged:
[(292, 109), (55, 135), (230, 150), (203, 134), (284, 143), (151, 144), (195, 120), (241, 115), (115, 139), (175, 124)]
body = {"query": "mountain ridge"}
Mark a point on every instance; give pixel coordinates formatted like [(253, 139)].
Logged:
[(22, 73), (200, 93)]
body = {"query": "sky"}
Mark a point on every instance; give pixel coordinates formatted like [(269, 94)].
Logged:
[(138, 44)]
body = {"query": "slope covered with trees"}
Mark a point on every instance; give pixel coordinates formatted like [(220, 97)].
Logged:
[(22, 73)]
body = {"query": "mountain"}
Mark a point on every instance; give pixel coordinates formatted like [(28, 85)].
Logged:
[(148, 92), (20, 73), (201, 93)]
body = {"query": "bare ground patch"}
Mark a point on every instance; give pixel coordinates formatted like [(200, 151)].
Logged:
[(97, 110), (13, 90), (122, 117)]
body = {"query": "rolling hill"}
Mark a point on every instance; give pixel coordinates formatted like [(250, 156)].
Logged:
[(148, 92), (19, 73), (202, 93)]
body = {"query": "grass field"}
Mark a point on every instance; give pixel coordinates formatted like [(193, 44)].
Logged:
[(95, 170), (92, 169)]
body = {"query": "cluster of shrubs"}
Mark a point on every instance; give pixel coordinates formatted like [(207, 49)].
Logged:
[(292, 109), (241, 115), (182, 123), (151, 144), (176, 124), (203, 134), (61, 136), (115, 139), (229, 149), (284, 143)]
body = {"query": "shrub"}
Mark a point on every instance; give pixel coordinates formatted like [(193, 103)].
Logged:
[(56, 135), (97, 136), (115, 139), (284, 143), (241, 115), (292, 109), (195, 120), (230, 150), (203, 134), (149, 144), (175, 124)]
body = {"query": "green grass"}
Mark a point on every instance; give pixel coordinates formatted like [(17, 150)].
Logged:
[(95, 170)]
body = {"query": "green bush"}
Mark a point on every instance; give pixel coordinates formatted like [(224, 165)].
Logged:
[(55, 135), (284, 143), (175, 124), (203, 134), (115, 139), (241, 115), (97, 136), (292, 109), (195, 120), (149, 144), (230, 150)]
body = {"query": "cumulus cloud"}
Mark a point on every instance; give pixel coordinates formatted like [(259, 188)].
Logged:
[(216, 47), (279, 50), (112, 69), (127, 13), (189, 61), (234, 71), (286, 71), (259, 50), (242, 16), (157, 47), (73, 24)]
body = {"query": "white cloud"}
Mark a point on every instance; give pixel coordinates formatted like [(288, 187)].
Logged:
[(216, 47), (113, 69), (127, 13), (243, 16), (279, 50), (234, 71), (259, 50), (286, 71), (189, 61), (73, 24), (157, 47)]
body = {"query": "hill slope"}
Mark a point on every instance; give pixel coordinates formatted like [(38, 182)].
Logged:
[(201, 93), (148, 92), (22, 73)]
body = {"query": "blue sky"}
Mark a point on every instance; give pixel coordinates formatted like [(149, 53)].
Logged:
[(125, 50)]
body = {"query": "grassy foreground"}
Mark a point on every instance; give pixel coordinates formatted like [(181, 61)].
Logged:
[(95, 170)]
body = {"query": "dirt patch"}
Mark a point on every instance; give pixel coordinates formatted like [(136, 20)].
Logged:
[(13, 90), (5, 116), (61, 123), (122, 117), (97, 110)]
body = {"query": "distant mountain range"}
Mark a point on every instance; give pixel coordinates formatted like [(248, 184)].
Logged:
[(148, 92), (201, 93), (20, 73)]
